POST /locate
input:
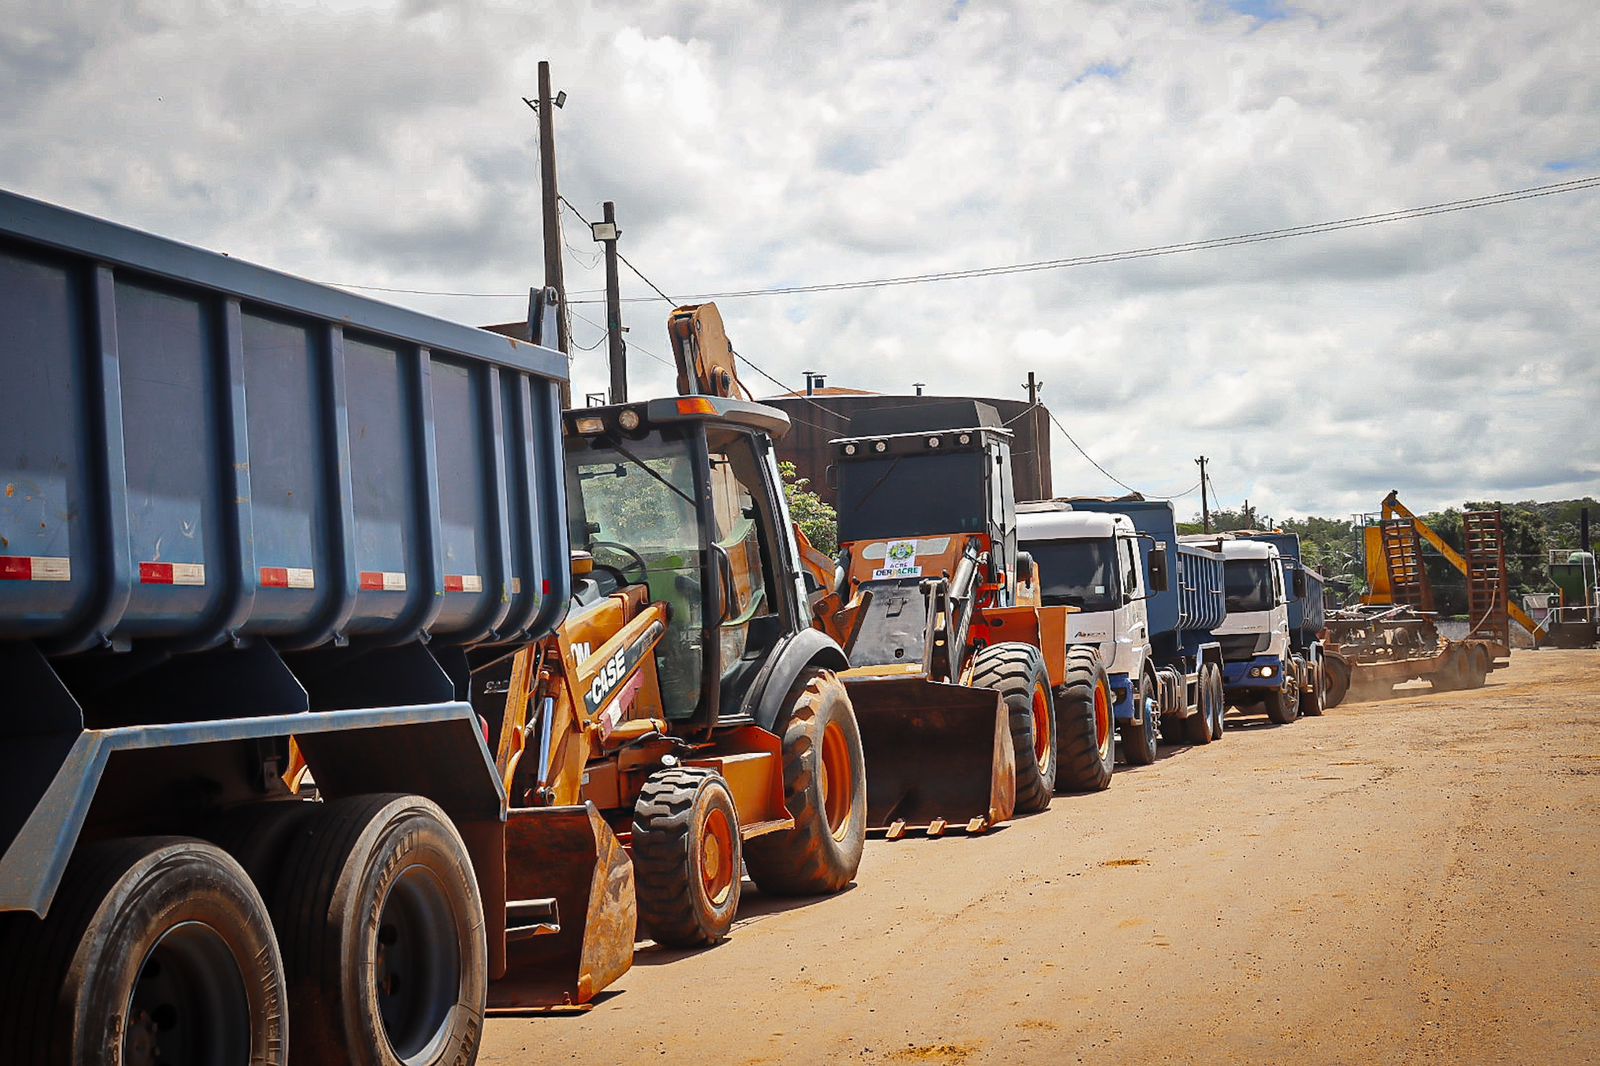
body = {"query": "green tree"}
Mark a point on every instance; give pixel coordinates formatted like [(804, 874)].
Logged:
[(810, 512)]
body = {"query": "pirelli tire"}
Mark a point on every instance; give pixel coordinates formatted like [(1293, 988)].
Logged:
[(156, 950), (825, 789), (1017, 672), (382, 929), (686, 857), (1201, 727), (1085, 753), (1283, 703), (1219, 698)]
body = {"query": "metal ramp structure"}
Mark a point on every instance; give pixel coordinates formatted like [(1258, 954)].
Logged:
[(1487, 603), (1402, 557)]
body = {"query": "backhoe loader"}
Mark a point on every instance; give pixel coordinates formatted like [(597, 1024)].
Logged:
[(685, 715), (957, 671)]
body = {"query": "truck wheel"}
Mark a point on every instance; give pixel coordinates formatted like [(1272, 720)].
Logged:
[(1478, 671), (1338, 679), (686, 857), (157, 950), (1283, 704), (1017, 672), (1139, 741), (825, 789), (1201, 727), (1312, 703), (1085, 753), (378, 912), (1219, 701)]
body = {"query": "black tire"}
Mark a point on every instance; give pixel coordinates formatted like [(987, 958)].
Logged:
[(1219, 701), (1139, 741), (1478, 671), (1283, 704), (1086, 749), (1313, 703), (382, 928), (155, 949), (258, 836), (1200, 728), (1018, 673), (1338, 678), (686, 857), (825, 789)]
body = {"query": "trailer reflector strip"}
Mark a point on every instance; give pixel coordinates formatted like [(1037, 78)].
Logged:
[(382, 581), (288, 577), (463, 583), (172, 574), (35, 568)]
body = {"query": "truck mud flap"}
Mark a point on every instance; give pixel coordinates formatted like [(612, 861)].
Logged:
[(936, 755), (571, 912)]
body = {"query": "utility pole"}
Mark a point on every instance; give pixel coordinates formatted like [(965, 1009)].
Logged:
[(606, 232), (1034, 386), (1205, 505), (551, 197)]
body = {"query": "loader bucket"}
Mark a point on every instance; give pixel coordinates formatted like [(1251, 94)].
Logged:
[(935, 754), (571, 909)]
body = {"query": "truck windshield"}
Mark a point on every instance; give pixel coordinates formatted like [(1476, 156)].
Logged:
[(630, 503), (1247, 584), (912, 496), (1077, 573)]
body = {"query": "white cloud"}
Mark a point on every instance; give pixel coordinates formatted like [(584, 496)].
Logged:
[(752, 144)]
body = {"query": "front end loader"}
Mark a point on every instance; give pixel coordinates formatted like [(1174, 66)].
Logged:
[(955, 666), (685, 722)]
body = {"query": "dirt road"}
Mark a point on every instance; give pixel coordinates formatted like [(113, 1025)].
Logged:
[(1415, 880)]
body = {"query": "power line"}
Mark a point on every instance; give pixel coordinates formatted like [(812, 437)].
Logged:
[(637, 272), (1208, 244)]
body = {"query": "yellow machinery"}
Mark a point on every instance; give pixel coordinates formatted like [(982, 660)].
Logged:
[(956, 668), (685, 715)]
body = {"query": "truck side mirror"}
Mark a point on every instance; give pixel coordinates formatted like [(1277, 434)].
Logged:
[(1299, 584), (1158, 569), (1024, 568)]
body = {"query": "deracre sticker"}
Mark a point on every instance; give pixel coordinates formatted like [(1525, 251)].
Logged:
[(900, 560)]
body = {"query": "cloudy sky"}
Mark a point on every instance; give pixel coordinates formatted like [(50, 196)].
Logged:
[(757, 144)]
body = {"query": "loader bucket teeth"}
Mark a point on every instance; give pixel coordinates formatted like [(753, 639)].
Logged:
[(567, 855), (936, 754)]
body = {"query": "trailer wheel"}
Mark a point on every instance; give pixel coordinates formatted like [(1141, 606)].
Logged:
[(1086, 751), (686, 857), (1139, 741), (1478, 670), (1338, 679), (825, 789), (378, 912), (1201, 727), (157, 949), (1219, 700), (1018, 673)]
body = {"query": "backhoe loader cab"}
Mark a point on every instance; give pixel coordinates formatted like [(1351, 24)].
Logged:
[(684, 707)]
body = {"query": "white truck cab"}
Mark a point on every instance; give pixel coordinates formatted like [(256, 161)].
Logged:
[(1092, 561), (1255, 634)]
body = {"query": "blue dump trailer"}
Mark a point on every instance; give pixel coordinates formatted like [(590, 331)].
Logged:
[(1151, 620), (237, 507)]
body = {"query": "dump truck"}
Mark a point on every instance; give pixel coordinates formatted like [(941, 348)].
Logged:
[(1307, 618), (971, 706), (1391, 637), (686, 697), (1260, 667), (247, 522), (1146, 603)]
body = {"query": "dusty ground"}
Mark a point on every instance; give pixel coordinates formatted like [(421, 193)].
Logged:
[(1415, 880)]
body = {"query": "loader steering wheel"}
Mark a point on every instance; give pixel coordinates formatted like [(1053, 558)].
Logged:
[(634, 559)]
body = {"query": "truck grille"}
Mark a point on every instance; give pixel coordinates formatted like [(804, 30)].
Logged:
[(1242, 645)]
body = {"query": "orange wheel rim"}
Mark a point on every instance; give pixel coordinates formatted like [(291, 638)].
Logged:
[(1102, 717), (837, 782), (1042, 740), (716, 858)]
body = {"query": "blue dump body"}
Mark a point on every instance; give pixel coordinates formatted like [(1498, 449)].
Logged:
[(237, 506), (1183, 616), (1306, 613), (194, 450)]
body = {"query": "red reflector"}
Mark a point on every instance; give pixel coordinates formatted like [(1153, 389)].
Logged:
[(155, 573), (16, 568), (547, 586), (274, 577)]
